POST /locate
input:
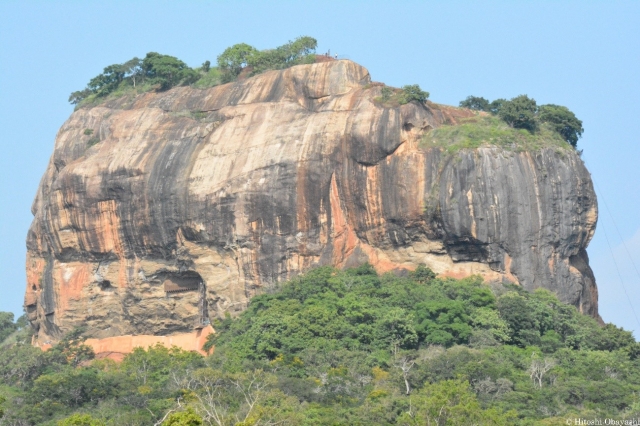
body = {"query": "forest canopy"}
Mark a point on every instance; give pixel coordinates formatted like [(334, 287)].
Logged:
[(348, 347)]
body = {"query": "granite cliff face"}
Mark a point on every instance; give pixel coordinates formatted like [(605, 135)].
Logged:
[(186, 203)]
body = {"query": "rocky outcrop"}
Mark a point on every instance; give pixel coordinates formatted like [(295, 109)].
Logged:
[(161, 211)]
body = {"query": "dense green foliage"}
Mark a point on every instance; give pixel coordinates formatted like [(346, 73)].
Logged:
[(563, 121), (154, 71), (522, 112), (7, 326), (476, 131), (349, 347), (12, 332), (162, 72), (476, 103), (412, 92), (233, 60), (392, 97), (240, 56), (167, 71)]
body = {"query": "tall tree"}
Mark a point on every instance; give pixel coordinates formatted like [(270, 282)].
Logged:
[(476, 103), (168, 71), (234, 59), (108, 81), (563, 121), (133, 70), (520, 112)]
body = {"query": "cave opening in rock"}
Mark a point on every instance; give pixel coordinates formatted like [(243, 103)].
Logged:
[(182, 281), (189, 281)]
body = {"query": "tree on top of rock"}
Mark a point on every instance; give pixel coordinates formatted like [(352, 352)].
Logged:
[(563, 121), (520, 113), (476, 103), (233, 60), (167, 71)]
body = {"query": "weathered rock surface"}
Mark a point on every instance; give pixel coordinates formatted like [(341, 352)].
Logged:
[(194, 200)]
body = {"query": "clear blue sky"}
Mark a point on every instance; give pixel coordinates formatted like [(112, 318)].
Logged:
[(585, 55)]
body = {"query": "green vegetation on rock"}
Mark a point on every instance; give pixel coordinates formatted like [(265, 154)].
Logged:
[(475, 103), (212, 77), (522, 112), (349, 347), (563, 121), (162, 72), (155, 71), (483, 130), (391, 97), (234, 59), (239, 57), (412, 92)]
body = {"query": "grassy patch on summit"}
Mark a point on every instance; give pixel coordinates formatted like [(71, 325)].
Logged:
[(478, 131)]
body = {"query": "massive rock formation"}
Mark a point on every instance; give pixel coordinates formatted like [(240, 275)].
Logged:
[(181, 205)]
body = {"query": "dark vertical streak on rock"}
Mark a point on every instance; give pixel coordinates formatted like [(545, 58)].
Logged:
[(168, 187), (48, 292)]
